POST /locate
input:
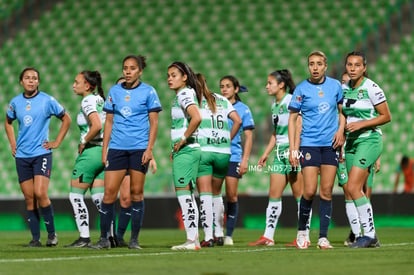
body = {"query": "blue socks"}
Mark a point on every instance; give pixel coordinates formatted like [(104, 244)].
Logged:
[(123, 221), (325, 213), (232, 212), (33, 219), (106, 214), (47, 213), (304, 213), (137, 216)]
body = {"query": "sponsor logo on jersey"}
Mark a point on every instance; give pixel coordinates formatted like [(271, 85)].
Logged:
[(27, 120), (323, 107)]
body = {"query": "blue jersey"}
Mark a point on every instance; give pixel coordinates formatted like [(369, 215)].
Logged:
[(318, 105), (247, 124), (130, 108), (33, 115)]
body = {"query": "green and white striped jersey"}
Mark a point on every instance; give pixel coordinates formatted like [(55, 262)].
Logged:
[(180, 117), (91, 103), (280, 119), (359, 104), (214, 132)]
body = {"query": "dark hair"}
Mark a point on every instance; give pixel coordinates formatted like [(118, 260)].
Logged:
[(29, 69), (191, 78), (235, 82), (208, 95), (119, 79), (404, 161), (138, 58), (360, 54), (286, 77), (95, 81)]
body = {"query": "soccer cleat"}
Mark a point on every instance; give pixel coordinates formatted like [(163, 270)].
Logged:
[(323, 243), (52, 241), (292, 244), (122, 243), (133, 244), (209, 243), (365, 242), (101, 244), (188, 245), (228, 240), (81, 242), (302, 241), (219, 241), (262, 241), (350, 240), (34, 243)]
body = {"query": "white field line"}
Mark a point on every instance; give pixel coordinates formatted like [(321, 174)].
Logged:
[(100, 256)]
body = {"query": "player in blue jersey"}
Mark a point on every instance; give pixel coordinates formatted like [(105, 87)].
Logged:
[(33, 150), (365, 107), (186, 153), (319, 99), (129, 135), (238, 165), (88, 172)]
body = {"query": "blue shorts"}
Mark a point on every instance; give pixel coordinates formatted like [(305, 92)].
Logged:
[(234, 170), (27, 168), (125, 159), (317, 156)]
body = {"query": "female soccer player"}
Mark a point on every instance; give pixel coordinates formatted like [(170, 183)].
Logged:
[(238, 165), (33, 150), (280, 85), (88, 172), (365, 108), (186, 118), (319, 99), (129, 135), (214, 137)]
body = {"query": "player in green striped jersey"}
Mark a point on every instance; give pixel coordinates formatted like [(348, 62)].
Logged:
[(215, 138), (365, 107), (186, 118)]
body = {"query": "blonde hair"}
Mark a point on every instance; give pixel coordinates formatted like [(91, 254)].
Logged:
[(319, 53)]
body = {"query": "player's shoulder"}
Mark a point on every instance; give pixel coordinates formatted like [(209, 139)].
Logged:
[(370, 84)]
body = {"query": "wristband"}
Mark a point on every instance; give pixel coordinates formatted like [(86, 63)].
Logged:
[(183, 138)]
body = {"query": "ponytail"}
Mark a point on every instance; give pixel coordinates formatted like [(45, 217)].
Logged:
[(211, 100), (94, 79), (286, 77)]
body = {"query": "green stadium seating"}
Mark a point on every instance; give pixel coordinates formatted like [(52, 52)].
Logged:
[(248, 39)]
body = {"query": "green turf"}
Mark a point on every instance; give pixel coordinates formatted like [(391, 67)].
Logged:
[(395, 256)]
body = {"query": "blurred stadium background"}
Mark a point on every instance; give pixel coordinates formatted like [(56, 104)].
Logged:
[(248, 39)]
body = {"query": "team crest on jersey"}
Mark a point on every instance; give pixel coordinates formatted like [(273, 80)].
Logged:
[(308, 156), (127, 98), (28, 105), (360, 94), (321, 93), (281, 110)]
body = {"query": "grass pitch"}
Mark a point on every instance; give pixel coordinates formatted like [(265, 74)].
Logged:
[(395, 256)]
